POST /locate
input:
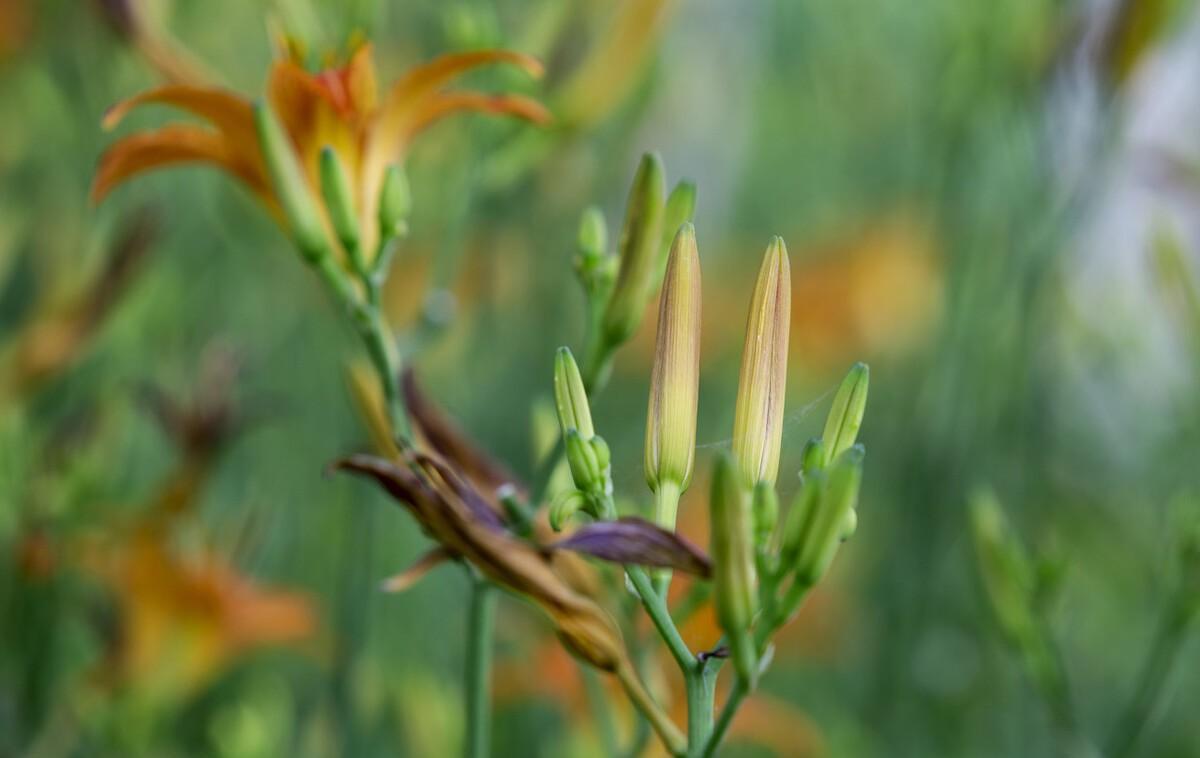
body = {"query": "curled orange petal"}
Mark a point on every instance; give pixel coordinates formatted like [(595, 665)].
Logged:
[(440, 106), (228, 112), (428, 78), (169, 146)]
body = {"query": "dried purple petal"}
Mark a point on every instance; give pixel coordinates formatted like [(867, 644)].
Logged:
[(637, 541)]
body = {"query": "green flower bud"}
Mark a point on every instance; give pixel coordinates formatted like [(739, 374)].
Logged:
[(674, 383), (799, 516), (593, 235), (585, 467), (765, 507), (825, 523), (1005, 568), (395, 204), (641, 240), (570, 397), (758, 417), (812, 459), (846, 415), (291, 186), (339, 199), (566, 505), (734, 575), (849, 524), (681, 204), (603, 453)]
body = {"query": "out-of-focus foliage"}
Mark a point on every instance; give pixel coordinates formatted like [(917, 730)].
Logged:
[(972, 201)]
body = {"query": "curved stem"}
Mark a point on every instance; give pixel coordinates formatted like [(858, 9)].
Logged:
[(672, 738), (728, 711), (1150, 691), (479, 668), (660, 616)]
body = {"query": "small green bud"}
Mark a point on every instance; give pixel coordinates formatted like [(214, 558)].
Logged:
[(758, 416), (593, 236), (679, 209), (603, 453), (585, 467), (846, 415), (395, 204), (734, 573), (812, 459), (566, 505), (1005, 568), (849, 524), (291, 186), (570, 397), (765, 506), (639, 246), (339, 199), (799, 517), (670, 451), (825, 525)]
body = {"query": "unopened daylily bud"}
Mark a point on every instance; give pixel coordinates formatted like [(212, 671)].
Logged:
[(681, 204), (339, 200), (395, 204), (570, 397), (846, 415), (674, 382), (585, 467), (823, 531), (1005, 568), (765, 506), (758, 417), (641, 240), (849, 524), (291, 186), (563, 507), (734, 574), (799, 516), (593, 235), (812, 459), (603, 453)]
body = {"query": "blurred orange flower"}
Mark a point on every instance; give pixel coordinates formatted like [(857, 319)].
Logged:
[(338, 107)]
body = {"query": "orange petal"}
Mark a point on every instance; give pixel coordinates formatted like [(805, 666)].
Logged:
[(416, 572), (440, 106), (430, 77), (169, 146), (316, 111), (228, 112)]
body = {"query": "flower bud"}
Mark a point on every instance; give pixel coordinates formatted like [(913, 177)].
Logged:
[(563, 507), (395, 203), (812, 460), (339, 200), (765, 507), (846, 415), (825, 523), (734, 576), (593, 236), (291, 186), (799, 516), (585, 467), (1005, 569), (681, 204), (570, 397), (758, 417), (641, 240), (674, 384)]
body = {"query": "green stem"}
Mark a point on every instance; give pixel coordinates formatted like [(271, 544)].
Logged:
[(1150, 692), (479, 668), (732, 703), (701, 693), (660, 616), (666, 506), (601, 712)]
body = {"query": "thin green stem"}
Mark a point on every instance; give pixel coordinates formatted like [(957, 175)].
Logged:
[(701, 693), (666, 506), (601, 712), (479, 668), (660, 616), (1151, 688), (728, 711)]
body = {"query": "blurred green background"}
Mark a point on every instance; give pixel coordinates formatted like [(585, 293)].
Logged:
[(972, 194)]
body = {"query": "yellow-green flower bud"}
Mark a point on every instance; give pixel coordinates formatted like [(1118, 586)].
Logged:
[(799, 516), (674, 382), (395, 204), (812, 459), (563, 507), (339, 199), (734, 575), (585, 466), (291, 186), (1005, 568), (846, 415), (758, 417), (641, 240), (570, 397), (824, 526)]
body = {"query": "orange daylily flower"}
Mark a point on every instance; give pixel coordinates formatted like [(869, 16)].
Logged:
[(340, 108)]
